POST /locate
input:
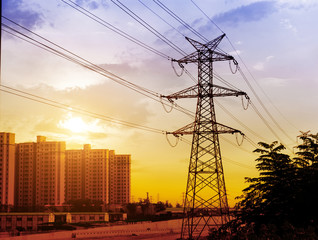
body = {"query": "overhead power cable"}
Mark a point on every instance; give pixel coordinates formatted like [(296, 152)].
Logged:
[(184, 23), (146, 6), (140, 43), (70, 108), (87, 64), (78, 59), (226, 159), (249, 85), (175, 16), (148, 26), (263, 106), (269, 127), (75, 60), (113, 28), (240, 122)]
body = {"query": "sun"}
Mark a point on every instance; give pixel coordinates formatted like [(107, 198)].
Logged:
[(74, 124), (77, 124)]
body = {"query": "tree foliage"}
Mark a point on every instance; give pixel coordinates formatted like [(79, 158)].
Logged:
[(282, 202)]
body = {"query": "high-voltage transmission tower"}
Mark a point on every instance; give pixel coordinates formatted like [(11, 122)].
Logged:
[(205, 203)]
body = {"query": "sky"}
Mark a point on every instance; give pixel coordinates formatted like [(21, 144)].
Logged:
[(274, 42)]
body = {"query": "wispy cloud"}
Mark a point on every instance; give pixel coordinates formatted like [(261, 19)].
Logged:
[(15, 9), (91, 4), (288, 25), (260, 66), (248, 13)]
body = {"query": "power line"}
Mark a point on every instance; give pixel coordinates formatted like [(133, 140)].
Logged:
[(81, 111), (87, 64), (237, 120), (147, 26), (184, 23), (106, 24), (207, 16), (263, 106), (83, 63), (249, 85), (114, 29), (74, 55), (161, 18), (176, 17), (227, 159)]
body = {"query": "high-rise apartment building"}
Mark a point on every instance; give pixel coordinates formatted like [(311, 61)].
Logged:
[(36, 174), (25, 174), (7, 168), (87, 174), (40, 173), (119, 178), (97, 174), (74, 175)]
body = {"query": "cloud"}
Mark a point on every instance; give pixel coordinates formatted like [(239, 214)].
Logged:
[(274, 82), (298, 4), (287, 25), (91, 4), (16, 10), (261, 65), (248, 13)]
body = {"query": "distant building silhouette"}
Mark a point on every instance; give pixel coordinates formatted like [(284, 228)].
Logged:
[(87, 173), (42, 173), (119, 178), (7, 169), (97, 174)]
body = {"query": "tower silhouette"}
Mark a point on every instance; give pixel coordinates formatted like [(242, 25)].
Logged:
[(205, 203)]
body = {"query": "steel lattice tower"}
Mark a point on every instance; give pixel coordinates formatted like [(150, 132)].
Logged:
[(205, 203)]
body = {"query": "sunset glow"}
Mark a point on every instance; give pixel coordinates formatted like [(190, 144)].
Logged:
[(76, 125), (275, 40)]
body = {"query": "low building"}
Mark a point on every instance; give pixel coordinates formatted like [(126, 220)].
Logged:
[(33, 221)]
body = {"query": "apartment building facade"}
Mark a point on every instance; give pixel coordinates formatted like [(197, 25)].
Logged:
[(7, 168), (98, 174), (40, 173), (87, 174), (44, 173), (119, 178)]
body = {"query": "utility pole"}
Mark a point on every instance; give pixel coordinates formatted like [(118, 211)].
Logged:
[(205, 203)]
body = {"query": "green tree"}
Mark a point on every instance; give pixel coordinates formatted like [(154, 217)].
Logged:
[(281, 203), (266, 199), (306, 192)]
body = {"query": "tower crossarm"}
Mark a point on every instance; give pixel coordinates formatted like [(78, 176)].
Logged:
[(203, 56), (191, 92), (210, 45), (225, 129), (217, 91), (190, 129), (205, 52)]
